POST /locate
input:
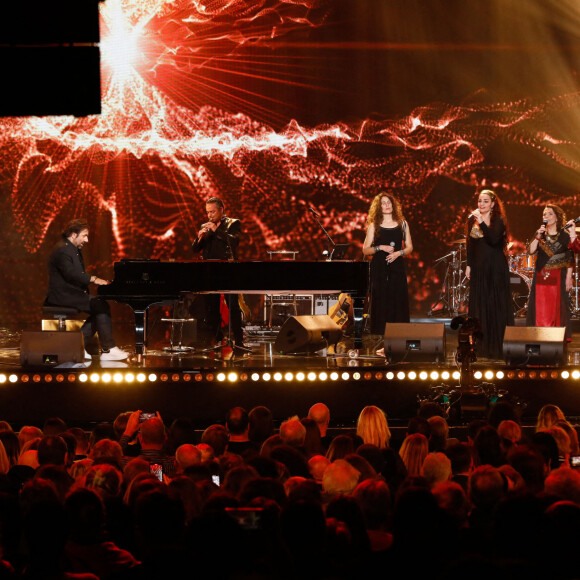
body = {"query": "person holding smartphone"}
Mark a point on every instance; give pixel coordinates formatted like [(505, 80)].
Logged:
[(151, 436)]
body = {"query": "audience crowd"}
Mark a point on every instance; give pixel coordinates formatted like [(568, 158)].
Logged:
[(136, 499)]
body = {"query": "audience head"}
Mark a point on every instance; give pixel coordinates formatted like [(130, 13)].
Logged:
[(9, 440), (292, 432), (207, 453), (187, 455), (563, 483), (502, 411), (237, 421), (52, 450), (436, 468), (419, 425), (340, 447), (548, 416), (28, 433), (529, 463), (572, 436), (461, 459), (107, 450), (260, 424), (486, 487), (320, 413), (439, 430), (82, 441), (102, 431), (374, 499), (181, 431), (487, 443), (430, 409), (104, 479), (372, 427), (312, 440), (339, 478), (317, 465), (216, 436), (561, 438), (54, 426), (413, 452), (120, 423), (152, 433)]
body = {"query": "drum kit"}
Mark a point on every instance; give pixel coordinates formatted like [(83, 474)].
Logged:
[(454, 296)]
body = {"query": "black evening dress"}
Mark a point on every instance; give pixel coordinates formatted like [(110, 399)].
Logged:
[(389, 293), (490, 299)]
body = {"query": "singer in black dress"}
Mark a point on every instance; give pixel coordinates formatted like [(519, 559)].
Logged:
[(490, 299), (548, 304), (388, 241)]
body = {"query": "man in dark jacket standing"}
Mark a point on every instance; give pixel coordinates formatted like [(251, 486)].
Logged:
[(218, 239), (69, 286)]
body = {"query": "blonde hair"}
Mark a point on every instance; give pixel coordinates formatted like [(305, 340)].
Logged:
[(372, 427), (549, 415), (413, 451), (572, 435)]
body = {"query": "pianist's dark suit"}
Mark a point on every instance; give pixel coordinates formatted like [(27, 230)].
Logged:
[(222, 245), (68, 285)]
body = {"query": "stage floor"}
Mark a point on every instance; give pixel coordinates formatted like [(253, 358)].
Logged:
[(204, 385)]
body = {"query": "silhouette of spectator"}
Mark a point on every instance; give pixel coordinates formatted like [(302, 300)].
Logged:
[(261, 424)]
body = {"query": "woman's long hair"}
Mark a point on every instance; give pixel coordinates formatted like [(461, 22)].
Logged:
[(497, 211), (372, 427), (375, 216)]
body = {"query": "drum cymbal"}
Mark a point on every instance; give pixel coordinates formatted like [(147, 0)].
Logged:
[(459, 241)]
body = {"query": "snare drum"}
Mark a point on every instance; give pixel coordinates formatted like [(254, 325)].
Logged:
[(520, 286), (526, 262)]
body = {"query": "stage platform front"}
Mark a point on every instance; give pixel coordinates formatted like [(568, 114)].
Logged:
[(204, 385)]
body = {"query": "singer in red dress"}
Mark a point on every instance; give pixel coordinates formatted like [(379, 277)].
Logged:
[(487, 269), (548, 304)]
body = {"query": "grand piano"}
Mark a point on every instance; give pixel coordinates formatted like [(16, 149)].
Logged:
[(143, 283)]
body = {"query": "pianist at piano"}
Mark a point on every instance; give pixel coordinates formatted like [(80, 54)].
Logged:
[(218, 239), (69, 286)]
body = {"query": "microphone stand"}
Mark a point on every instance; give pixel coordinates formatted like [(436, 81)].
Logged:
[(332, 243)]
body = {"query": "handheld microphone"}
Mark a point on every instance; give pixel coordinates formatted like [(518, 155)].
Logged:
[(313, 211), (573, 223), (544, 223)]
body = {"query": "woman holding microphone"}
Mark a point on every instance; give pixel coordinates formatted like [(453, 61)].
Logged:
[(548, 304), (487, 269)]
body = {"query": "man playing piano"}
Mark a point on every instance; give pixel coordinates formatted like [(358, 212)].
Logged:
[(218, 239), (68, 286)]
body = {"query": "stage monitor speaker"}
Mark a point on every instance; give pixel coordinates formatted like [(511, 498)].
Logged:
[(307, 334), (51, 348), (415, 342), (534, 345)]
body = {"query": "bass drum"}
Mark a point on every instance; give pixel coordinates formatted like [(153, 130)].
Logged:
[(520, 287)]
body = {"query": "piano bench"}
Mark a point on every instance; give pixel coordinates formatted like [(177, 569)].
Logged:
[(59, 318)]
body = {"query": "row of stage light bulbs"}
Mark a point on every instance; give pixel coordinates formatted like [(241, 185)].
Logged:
[(277, 377)]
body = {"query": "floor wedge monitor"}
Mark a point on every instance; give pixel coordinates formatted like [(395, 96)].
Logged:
[(415, 342), (534, 345), (307, 334), (51, 348)]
